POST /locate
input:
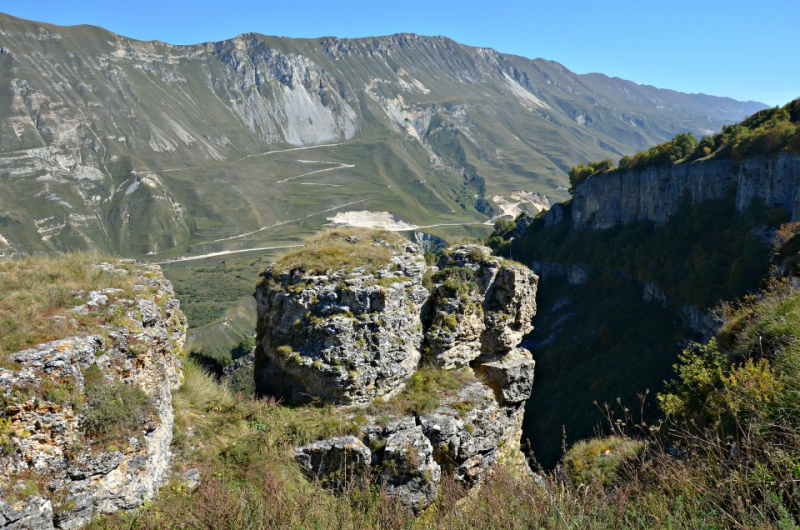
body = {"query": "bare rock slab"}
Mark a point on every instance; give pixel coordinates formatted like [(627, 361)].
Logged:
[(337, 463)]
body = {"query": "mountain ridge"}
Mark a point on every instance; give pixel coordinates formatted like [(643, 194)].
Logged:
[(118, 144)]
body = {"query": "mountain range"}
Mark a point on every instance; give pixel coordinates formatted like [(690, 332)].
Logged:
[(146, 148)]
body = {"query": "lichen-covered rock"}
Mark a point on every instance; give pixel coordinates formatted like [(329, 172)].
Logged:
[(338, 463), (480, 304), (34, 513), (313, 322), (409, 470), (44, 425), (345, 335), (511, 377), (467, 441), (509, 307)]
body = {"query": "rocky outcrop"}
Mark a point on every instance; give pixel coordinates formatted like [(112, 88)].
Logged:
[(53, 471), (654, 194), (346, 336), (357, 339), (482, 306), (338, 463)]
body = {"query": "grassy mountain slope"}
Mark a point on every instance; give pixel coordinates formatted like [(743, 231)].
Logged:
[(147, 148)]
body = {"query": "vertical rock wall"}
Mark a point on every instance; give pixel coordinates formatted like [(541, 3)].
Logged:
[(654, 194)]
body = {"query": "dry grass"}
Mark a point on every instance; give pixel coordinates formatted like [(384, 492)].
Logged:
[(423, 392), (342, 248), (38, 291), (680, 475)]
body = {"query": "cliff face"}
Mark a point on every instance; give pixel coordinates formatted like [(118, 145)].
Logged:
[(61, 465), (436, 372), (347, 336), (654, 194)]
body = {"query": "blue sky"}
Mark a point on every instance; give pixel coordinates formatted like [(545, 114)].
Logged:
[(745, 50)]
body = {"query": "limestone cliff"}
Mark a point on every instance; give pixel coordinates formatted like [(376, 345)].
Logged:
[(429, 358), (654, 194), (58, 468), (346, 335)]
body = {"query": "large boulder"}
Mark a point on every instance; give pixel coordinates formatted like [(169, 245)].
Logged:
[(339, 463), (345, 334), (409, 471), (511, 377)]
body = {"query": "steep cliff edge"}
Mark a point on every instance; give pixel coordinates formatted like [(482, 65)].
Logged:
[(629, 254), (427, 358), (86, 421), (655, 194)]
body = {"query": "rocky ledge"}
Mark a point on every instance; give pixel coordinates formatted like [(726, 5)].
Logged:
[(427, 357), (86, 421)]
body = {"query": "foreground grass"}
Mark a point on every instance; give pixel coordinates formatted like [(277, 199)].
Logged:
[(726, 457), (38, 291), (341, 248)]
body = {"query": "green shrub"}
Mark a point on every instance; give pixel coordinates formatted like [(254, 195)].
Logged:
[(114, 410), (598, 460)]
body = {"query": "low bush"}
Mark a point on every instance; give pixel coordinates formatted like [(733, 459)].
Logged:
[(114, 410)]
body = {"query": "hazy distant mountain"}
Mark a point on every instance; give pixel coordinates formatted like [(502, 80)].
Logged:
[(145, 147)]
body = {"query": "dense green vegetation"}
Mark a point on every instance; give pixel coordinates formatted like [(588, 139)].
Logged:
[(600, 341), (208, 290), (593, 343), (704, 253), (767, 132)]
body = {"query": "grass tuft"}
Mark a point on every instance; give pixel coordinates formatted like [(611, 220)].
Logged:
[(38, 291), (341, 248)]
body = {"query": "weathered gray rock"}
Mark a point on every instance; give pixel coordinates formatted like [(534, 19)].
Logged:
[(479, 309), (338, 463), (346, 336), (480, 304), (654, 194), (509, 307), (34, 513), (48, 437), (409, 471), (511, 377), (191, 479)]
